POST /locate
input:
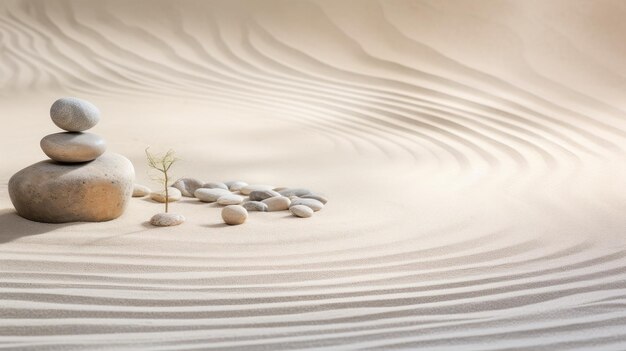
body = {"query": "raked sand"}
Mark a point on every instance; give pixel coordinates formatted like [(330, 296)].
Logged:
[(472, 152)]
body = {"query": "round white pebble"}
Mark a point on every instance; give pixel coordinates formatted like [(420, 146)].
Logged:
[(173, 194), (312, 203), (301, 211), (278, 203), (140, 190), (234, 214), (166, 219), (321, 198), (210, 195), (230, 199)]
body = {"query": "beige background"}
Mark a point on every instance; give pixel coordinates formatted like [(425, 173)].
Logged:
[(472, 151)]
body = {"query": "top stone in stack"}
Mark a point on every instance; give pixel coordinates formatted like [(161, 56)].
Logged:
[(74, 146)]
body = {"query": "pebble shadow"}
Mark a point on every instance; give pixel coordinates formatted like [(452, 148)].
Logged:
[(190, 201), (292, 217), (147, 225), (218, 225)]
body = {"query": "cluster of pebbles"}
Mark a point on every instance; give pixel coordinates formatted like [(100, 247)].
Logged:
[(237, 197), (80, 182)]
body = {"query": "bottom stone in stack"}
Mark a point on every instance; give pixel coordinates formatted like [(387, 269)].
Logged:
[(54, 192)]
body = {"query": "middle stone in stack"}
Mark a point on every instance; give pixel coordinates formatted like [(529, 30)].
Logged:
[(73, 146)]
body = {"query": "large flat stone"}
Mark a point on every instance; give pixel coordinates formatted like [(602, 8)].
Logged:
[(54, 192)]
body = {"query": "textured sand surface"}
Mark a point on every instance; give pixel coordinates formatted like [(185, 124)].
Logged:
[(472, 151)]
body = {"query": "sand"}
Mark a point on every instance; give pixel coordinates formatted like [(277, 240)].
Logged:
[(472, 152)]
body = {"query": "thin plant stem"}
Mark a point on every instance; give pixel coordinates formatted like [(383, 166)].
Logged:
[(167, 195), (162, 163)]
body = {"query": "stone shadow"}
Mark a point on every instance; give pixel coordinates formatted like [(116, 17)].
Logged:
[(13, 227)]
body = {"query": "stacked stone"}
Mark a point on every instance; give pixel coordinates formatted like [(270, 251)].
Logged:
[(73, 146), (81, 182)]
